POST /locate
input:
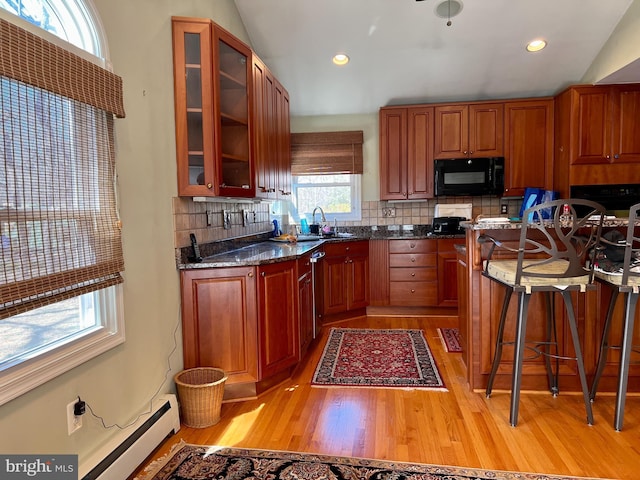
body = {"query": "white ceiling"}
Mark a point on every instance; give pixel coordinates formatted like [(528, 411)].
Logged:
[(402, 52)]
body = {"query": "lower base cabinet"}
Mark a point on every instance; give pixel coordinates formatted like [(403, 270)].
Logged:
[(344, 278), (243, 320)]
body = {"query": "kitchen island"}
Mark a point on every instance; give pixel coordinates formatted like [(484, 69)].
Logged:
[(480, 302)]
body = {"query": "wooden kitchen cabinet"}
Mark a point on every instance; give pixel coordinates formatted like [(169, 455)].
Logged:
[(463, 303), (406, 153), (305, 302), (220, 321), (596, 136), (271, 134), (413, 272), (212, 88), (469, 130), (448, 272), (528, 145), (278, 329), (243, 320), (345, 278)]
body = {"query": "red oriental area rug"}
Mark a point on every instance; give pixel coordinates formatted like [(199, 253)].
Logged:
[(377, 358), (195, 462), (450, 339)]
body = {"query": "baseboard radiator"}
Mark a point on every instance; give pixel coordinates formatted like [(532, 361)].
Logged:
[(120, 456)]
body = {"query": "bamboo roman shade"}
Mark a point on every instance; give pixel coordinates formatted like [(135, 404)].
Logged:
[(323, 153), (59, 227)]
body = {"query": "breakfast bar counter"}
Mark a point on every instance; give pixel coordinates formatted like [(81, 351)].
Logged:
[(480, 303)]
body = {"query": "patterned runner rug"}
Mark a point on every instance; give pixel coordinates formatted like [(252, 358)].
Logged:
[(377, 358), (450, 339), (193, 462)]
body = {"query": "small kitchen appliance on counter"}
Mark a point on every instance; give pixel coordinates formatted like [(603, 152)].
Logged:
[(447, 218)]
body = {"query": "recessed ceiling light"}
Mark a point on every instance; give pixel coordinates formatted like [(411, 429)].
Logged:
[(536, 45), (340, 59)]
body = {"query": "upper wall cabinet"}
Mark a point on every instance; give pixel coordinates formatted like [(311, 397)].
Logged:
[(213, 93), (596, 136), (271, 132), (406, 153), (469, 130), (528, 145)]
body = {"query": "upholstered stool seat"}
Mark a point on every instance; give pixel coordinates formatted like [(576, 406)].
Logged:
[(554, 242), (625, 280)]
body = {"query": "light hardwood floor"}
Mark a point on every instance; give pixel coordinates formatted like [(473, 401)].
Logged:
[(457, 427)]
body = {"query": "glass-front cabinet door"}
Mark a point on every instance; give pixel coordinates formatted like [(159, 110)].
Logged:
[(232, 85), (193, 85), (212, 85)]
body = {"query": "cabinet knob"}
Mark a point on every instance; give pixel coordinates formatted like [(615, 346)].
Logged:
[(350, 261), (413, 274), (413, 245), (250, 274), (413, 291), (347, 249), (263, 274), (465, 152), (607, 157), (413, 259), (209, 186), (616, 156)]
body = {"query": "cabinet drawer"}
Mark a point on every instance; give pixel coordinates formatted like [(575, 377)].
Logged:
[(413, 260), (347, 248), (408, 274), (410, 246), (413, 293)]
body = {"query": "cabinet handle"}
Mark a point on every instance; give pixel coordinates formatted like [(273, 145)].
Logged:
[(465, 152), (350, 261), (413, 274), (607, 157), (263, 274), (347, 249), (250, 274), (413, 291), (209, 186)]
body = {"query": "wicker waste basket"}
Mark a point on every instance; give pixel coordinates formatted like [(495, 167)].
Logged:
[(200, 392)]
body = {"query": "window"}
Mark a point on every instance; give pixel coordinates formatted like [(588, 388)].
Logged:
[(338, 195), (326, 168), (60, 279)]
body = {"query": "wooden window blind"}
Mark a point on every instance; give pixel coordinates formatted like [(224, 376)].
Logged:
[(59, 227), (324, 153)]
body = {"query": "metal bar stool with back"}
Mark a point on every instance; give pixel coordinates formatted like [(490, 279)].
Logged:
[(621, 277), (555, 240)]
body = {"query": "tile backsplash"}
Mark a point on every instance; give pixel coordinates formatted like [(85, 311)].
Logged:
[(207, 219)]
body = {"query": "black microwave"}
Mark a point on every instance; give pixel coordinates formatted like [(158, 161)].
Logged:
[(469, 176)]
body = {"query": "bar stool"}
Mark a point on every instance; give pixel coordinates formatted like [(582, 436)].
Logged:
[(555, 239), (625, 280)]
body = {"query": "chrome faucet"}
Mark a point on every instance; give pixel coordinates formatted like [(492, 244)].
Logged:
[(313, 215)]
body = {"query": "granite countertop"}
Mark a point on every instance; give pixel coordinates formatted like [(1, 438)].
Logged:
[(490, 224), (260, 250)]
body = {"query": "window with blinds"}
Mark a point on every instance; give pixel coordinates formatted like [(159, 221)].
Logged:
[(326, 168), (59, 227), (326, 153)]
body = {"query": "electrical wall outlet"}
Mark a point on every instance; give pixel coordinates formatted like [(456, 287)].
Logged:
[(389, 212), (74, 422), (226, 219)]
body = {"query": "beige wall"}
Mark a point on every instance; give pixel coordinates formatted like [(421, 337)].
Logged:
[(622, 49)]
